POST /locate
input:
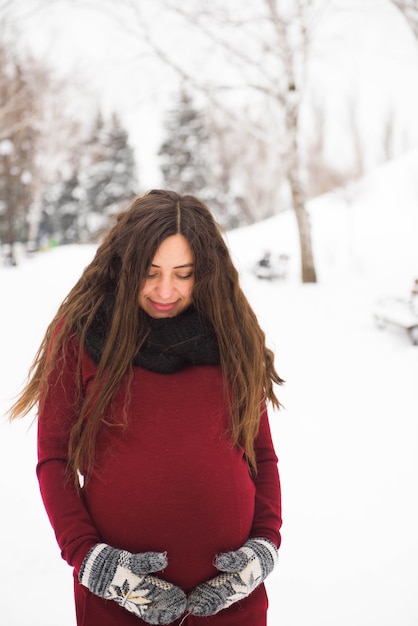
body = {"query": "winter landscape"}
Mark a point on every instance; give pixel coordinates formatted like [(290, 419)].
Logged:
[(347, 437)]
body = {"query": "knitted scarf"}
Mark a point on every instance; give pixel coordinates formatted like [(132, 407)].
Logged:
[(172, 342)]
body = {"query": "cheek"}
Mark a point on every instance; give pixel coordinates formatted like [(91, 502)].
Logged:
[(189, 291), (145, 288), (142, 294)]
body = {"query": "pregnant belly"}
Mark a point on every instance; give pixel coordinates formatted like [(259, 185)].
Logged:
[(189, 496), (191, 509)]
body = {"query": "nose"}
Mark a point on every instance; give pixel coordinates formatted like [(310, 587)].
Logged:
[(165, 287)]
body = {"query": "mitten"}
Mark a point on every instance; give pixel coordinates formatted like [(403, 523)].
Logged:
[(124, 577), (243, 569)]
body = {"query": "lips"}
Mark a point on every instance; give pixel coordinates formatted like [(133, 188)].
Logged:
[(163, 308)]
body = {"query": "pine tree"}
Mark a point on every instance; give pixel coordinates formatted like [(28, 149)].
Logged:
[(192, 162), (184, 154), (63, 218), (103, 179), (109, 175)]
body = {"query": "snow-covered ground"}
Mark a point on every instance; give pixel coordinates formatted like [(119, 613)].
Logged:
[(347, 438)]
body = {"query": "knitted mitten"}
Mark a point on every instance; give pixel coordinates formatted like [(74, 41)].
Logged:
[(121, 576), (244, 570)]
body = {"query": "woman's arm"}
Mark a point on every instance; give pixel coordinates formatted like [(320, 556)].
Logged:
[(268, 511), (72, 524)]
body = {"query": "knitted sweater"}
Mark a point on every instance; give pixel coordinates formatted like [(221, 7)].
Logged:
[(170, 480)]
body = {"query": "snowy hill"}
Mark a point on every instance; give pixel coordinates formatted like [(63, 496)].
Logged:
[(368, 231), (346, 439)]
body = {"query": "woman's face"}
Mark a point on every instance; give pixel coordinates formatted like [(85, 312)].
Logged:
[(168, 287)]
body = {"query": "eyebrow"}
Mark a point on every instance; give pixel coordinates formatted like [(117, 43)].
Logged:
[(176, 267)]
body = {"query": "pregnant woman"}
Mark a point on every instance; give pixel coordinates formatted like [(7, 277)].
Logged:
[(155, 459)]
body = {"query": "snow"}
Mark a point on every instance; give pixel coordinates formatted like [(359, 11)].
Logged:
[(346, 437)]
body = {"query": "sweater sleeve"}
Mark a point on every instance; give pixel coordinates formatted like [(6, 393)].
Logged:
[(70, 520), (268, 511)]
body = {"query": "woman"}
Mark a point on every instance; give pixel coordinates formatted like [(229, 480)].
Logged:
[(155, 459)]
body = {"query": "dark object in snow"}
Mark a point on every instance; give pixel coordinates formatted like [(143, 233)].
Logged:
[(401, 312), (270, 267)]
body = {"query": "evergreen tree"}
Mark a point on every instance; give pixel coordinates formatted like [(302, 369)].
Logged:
[(62, 216), (185, 152), (192, 162), (103, 179), (108, 174)]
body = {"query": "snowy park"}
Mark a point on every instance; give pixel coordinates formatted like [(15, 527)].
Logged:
[(346, 437)]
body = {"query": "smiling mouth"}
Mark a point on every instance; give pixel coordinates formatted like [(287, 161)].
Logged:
[(163, 307)]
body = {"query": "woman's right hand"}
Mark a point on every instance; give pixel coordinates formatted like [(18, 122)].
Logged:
[(124, 577)]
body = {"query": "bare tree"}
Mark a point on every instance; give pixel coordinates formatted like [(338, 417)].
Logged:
[(260, 51), (322, 176), (291, 46), (230, 51), (21, 83), (38, 136), (358, 166), (388, 139), (409, 9), (268, 49), (247, 176)]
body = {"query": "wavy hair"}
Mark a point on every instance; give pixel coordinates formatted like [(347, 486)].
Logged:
[(119, 268)]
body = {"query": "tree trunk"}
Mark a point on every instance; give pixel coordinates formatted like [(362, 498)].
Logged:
[(292, 106), (304, 230)]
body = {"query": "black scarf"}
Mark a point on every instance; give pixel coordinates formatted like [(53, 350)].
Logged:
[(172, 342)]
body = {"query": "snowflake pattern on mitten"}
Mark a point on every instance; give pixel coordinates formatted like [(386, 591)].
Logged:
[(243, 571), (124, 577)]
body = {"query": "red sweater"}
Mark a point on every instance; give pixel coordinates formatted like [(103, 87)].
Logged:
[(170, 481)]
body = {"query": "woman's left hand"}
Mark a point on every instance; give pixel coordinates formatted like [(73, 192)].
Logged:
[(243, 571)]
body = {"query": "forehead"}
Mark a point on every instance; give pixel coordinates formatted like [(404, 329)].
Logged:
[(173, 251)]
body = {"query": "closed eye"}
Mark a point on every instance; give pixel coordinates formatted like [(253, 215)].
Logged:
[(185, 276), (180, 276)]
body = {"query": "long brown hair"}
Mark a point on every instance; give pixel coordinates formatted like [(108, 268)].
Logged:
[(119, 268)]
